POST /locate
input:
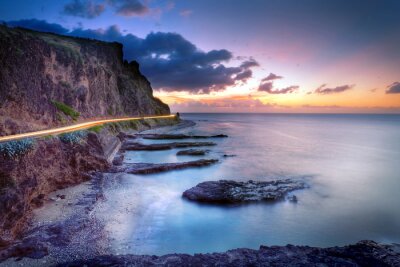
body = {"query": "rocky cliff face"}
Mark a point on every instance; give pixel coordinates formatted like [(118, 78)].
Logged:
[(49, 80), (86, 78), (26, 180), (28, 173)]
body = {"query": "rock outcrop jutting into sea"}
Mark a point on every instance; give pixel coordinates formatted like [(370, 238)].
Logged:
[(48, 79)]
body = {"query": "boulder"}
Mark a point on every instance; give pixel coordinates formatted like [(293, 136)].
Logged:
[(227, 191)]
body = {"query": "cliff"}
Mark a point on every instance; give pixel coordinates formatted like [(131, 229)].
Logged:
[(30, 169), (49, 80)]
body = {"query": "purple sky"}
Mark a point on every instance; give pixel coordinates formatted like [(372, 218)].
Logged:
[(334, 56)]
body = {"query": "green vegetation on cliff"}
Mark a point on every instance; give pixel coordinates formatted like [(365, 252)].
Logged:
[(67, 110), (13, 149), (96, 129), (73, 137)]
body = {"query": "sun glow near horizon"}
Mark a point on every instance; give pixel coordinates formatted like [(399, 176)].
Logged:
[(246, 98)]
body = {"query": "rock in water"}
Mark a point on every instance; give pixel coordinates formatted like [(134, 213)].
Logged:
[(138, 146), (224, 191), (179, 136), (148, 168), (192, 152)]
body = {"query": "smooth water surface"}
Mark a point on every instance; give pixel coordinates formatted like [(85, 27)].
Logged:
[(352, 163)]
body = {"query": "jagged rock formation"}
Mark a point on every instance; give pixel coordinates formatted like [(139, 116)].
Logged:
[(48, 79)]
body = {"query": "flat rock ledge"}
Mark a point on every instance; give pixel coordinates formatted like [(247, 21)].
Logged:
[(192, 152), (227, 191), (363, 253), (148, 168), (138, 146), (178, 136)]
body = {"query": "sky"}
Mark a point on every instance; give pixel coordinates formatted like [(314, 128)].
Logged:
[(305, 56)]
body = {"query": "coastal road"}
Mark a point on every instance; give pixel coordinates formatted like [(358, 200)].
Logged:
[(75, 127)]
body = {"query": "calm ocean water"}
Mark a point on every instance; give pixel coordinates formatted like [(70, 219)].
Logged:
[(351, 162)]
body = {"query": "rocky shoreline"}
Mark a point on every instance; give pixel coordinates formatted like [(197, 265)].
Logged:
[(52, 243), (52, 164), (364, 253)]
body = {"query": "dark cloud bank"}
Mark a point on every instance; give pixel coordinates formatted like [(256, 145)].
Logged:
[(169, 60)]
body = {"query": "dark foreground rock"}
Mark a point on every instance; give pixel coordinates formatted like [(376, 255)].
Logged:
[(179, 136), (364, 253), (192, 152), (138, 146), (224, 191), (148, 168)]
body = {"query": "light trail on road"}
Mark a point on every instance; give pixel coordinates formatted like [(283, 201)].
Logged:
[(75, 127)]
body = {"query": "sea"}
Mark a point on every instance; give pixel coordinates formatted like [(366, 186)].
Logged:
[(350, 162)]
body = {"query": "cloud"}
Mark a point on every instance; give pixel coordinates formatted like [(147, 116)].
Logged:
[(249, 64), (271, 77), (327, 91), (171, 62), (84, 9), (243, 76), (129, 8), (186, 12), (268, 87), (230, 103), (347, 109), (90, 9), (394, 88)]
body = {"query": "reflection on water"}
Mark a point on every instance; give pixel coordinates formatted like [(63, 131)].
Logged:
[(350, 161)]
